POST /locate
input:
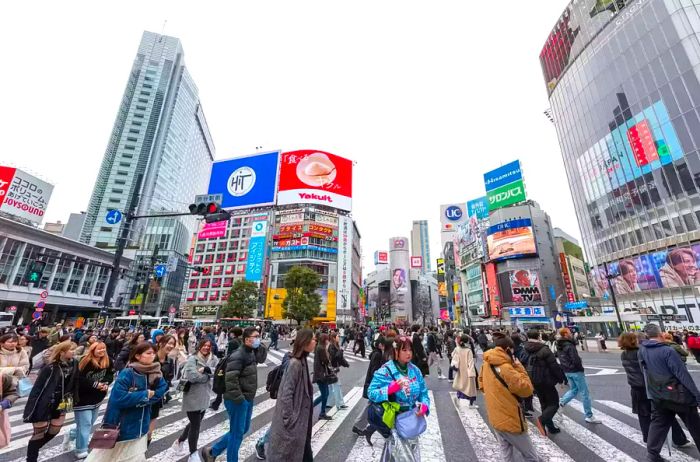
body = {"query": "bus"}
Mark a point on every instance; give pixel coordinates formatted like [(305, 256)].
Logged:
[(241, 322), (132, 321), (6, 319)]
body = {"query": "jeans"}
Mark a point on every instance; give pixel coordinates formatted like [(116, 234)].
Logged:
[(337, 393), (84, 421), (577, 382), (323, 399), (661, 420), (239, 415)]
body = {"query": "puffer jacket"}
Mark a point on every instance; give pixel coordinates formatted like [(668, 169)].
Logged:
[(545, 359), (568, 356), (242, 373), (502, 407), (378, 390), (633, 370), (129, 406)]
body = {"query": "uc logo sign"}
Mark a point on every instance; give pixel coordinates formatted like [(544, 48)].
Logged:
[(453, 213)]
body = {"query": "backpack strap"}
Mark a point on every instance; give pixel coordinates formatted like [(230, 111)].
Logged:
[(503, 382)]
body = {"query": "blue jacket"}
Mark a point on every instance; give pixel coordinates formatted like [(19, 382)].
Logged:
[(379, 387), (129, 406), (662, 360)]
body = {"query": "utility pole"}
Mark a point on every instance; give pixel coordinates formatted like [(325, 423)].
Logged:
[(149, 272), (612, 295)]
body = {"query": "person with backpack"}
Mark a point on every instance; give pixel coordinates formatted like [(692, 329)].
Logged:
[(433, 352), (197, 374), (464, 364), (519, 352), (694, 345), (572, 366), (419, 358), (241, 385), (545, 373)]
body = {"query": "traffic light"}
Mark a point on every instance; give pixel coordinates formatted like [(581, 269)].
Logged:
[(211, 212), (205, 270), (34, 272)]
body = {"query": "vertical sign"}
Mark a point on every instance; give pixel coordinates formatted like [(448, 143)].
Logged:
[(256, 252), (344, 265), (494, 293), (442, 289), (399, 284), (567, 279)]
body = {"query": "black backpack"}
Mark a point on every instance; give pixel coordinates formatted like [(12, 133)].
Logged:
[(219, 382), (537, 370), (274, 379)]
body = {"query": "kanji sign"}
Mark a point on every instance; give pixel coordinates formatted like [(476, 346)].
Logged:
[(23, 195)]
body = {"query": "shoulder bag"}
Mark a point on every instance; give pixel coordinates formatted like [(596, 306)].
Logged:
[(106, 436), (410, 425)]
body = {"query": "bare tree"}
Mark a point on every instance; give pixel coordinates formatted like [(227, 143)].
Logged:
[(424, 305)]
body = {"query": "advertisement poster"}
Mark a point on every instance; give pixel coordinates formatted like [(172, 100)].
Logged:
[(315, 177), (451, 216), (213, 230), (503, 176), (506, 195), (344, 292), (417, 262), (511, 239), (399, 285), (494, 296), (256, 252), (248, 181), (478, 208), (525, 286), (23, 195)]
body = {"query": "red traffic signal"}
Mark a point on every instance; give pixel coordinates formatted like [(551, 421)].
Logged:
[(213, 207), (206, 271)]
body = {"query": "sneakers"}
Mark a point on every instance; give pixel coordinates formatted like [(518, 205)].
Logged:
[(441, 377), (81, 455), (194, 457), (178, 447), (325, 417), (473, 406), (260, 450), (342, 406), (687, 444), (540, 427), (592, 420), (206, 455)]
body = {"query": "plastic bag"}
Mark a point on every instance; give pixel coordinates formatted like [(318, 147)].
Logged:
[(24, 387), (397, 449)]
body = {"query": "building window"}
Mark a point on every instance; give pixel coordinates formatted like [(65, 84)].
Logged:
[(132, 139), (119, 181), (204, 284), (146, 93), (194, 283), (105, 229), (134, 122), (142, 100), (141, 108), (228, 282), (191, 295), (134, 131), (202, 295)]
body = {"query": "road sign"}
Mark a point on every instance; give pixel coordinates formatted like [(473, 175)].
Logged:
[(206, 198), (160, 270), (40, 304), (36, 315), (172, 309), (113, 217), (44, 295), (12, 309)]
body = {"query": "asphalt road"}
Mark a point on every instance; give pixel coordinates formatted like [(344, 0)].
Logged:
[(454, 433)]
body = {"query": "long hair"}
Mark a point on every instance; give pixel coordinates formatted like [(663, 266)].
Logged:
[(61, 348), (304, 337), (102, 363), (140, 349)]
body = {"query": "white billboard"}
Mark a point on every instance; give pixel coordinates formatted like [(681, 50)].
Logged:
[(343, 296), (23, 195)]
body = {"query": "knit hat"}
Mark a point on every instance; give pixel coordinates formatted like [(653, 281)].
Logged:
[(156, 333)]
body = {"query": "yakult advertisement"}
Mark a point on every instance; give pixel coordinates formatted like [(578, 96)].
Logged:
[(23, 195), (315, 177)]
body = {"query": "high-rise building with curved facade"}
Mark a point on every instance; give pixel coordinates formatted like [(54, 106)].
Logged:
[(622, 79)]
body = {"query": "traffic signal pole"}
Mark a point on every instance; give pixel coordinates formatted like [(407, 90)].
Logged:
[(149, 271)]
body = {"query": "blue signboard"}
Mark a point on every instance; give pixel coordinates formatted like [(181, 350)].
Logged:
[(529, 311), (576, 305), (113, 217), (510, 224), (256, 252), (160, 270), (246, 181), (502, 176), (478, 208)]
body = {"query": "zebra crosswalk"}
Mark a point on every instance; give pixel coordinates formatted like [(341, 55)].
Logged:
[(454, 432)]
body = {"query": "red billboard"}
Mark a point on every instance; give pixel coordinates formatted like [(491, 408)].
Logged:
[(315, 177), (493, 292)]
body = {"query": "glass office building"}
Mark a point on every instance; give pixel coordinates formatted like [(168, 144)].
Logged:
[(420, 242), (622, 80)]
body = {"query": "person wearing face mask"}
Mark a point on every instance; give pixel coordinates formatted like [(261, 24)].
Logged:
[(241, 385), (504, 381)]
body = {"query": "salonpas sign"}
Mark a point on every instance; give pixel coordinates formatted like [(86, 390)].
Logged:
[(505, 195)]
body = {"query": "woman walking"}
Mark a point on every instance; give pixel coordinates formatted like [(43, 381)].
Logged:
[(165, 346), (401, 381), (13, 359), (95, 373), (337, 360), (137, 387), (51, 398), (293, 417), (85, 345), (465, 367), (197, 372), (323, 375)]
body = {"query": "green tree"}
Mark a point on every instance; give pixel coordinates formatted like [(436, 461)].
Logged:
[(302, 303), (242, 300)]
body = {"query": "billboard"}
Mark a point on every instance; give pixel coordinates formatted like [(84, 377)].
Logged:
[(256, 252), (417, 262), (213, 230), (506, 195), (511, 239), (400, 284), (452, 215), (248, 181), (23, 195), (492, 291), (578, 25), (524, 286), (315, 177), (640, 145), (567, 278), (526, 312), (502, 176), (344, 292), (381, 257), (478, 208)]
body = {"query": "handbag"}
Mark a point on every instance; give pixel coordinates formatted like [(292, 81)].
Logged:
[(24, 387), (410, 425), (106, 436)]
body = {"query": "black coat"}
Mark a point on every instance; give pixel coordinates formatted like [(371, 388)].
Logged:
[(53, 384), (633, 370), (545, 358), (376, 361), (86, 394), (122, 358), (420, 359), (39, 344), (322, 363), (568, 356), (114, 347)]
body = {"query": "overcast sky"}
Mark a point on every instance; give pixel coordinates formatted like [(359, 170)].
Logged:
[(424, 96)]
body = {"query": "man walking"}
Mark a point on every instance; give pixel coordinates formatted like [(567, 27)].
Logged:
[(573, 369), (274, 338), (503, 380), (671, 389), (433, 352), (545, 373), (241, 384)]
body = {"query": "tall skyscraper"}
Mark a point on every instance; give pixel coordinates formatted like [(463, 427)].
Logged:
[(420, 244), (161, 135)]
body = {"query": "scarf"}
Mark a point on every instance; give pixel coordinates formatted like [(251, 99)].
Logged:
[(152, 371), (403, 369)]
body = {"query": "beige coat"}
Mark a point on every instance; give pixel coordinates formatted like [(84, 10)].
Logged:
[(465, 377), (14, 362)]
